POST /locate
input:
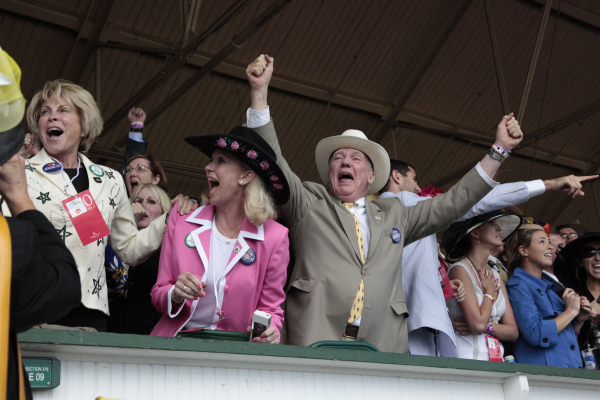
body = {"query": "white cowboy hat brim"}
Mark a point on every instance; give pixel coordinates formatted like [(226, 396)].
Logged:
[(352, 139)]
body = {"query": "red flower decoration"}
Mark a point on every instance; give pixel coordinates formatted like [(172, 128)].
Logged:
[(278, 186), (221, 143), (274, 178), (235, 145), (430, 191), (264, 165), (252, 154)]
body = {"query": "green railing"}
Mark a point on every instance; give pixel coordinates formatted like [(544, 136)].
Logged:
[(78, 338)]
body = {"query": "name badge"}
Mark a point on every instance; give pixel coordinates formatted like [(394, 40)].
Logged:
[(395, 234), (249, 257), (52, 167), (494, 348), (86, 217)]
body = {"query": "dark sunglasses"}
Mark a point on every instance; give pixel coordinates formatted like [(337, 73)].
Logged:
[(589, 252)]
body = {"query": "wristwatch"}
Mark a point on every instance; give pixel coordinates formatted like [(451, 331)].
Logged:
[(492, 153)]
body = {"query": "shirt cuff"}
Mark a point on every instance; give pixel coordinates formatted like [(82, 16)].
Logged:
[(137, 136), (535, 188), (256, 119), (171, 304), (485, 176), (549, 333)]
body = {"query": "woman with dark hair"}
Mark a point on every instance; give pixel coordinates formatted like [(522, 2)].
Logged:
[(144, 168), (580, 270), (547, 324), (486, 308)]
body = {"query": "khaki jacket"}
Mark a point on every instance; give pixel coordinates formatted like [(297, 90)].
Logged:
[(326, 269), (131, 245)]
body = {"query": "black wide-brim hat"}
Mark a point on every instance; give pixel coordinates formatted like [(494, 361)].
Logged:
[(508, 221), (567, 260), (251, 149), (11, 141)]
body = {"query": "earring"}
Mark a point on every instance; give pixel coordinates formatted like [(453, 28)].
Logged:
[(82, 135), (241, 182), (478, 242), (526, 255)]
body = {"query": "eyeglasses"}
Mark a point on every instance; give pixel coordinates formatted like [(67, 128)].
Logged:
[(589, 252), (566, 235), (138, 168)]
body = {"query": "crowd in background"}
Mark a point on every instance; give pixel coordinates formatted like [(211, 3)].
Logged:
[(498, 287)]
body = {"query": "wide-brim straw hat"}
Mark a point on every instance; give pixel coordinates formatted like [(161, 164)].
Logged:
[(354, 139), (251, 149), (458, 231)]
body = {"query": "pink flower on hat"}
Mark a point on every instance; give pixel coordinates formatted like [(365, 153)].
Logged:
[(252, 154), (235, 146), (274, 178), (264, 165), (221, 143), (278, 186)]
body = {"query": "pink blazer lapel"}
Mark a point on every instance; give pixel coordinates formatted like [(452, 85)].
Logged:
[(203, 216), (248, 231)]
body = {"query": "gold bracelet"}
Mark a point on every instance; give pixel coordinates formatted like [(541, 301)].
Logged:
[(490, 296)]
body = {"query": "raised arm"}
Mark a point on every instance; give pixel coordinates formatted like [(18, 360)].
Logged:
[(135, 142), (428, 217), (259, 75)]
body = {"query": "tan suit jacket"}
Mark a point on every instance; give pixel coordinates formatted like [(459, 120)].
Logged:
[(327, 269), (46, 190)]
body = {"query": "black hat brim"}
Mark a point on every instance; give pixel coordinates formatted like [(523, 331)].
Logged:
[(245, 144)]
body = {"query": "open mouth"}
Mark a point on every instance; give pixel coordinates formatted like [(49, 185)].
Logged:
[(213, 185), (145, 216), (54, 132), (596, 267), (134, 184), (548, 255), (345, 177)]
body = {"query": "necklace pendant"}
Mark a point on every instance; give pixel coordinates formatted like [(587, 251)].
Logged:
[(227, 240)]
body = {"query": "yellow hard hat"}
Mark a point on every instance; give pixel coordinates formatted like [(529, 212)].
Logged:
[(12, 102)]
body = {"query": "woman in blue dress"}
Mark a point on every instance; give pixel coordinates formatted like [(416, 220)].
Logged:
[(547, 323)]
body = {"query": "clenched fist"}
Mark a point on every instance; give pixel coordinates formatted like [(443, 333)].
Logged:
[(508, 133)]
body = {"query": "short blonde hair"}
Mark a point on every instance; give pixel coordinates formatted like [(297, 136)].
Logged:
[(258, 202), (81, 99), (163, 200)]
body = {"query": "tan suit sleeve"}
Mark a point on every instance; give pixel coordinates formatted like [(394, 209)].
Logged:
[(429, 217), (131, 245), (300, 198)]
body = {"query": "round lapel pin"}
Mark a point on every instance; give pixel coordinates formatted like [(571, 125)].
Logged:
[(52, 167), (249, 257), (96, 170), (189, 241), (395, 234)]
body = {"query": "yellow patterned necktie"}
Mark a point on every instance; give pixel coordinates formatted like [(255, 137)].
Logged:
[(359, 299)]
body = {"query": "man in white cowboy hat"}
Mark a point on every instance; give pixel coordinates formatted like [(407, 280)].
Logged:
[(346, 281)]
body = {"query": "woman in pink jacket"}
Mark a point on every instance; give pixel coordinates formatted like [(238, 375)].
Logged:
[(228, 258)]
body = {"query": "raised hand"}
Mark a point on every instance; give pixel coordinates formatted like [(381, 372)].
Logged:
[(489, 283), (572, 301), (569, 184), (138, 212), (259, 72), (508, 133), (136, 115), (185, 205), (584, 311)]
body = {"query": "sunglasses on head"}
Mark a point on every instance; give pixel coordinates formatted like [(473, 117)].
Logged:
[(589, 252)]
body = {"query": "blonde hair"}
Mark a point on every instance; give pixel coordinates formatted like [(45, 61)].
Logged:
[(523, 238), (258, 202), (163, 200), (81, 99)]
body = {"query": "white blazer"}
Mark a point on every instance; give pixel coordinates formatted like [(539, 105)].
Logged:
[(132, 246)]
